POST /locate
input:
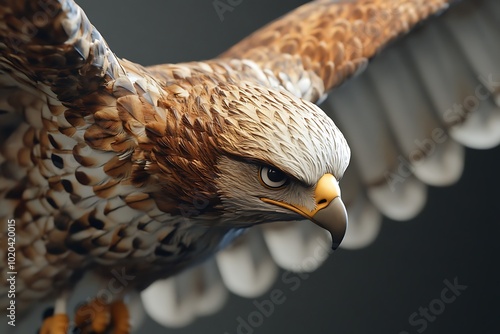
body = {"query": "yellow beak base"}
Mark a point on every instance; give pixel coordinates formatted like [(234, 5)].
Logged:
[(329, 213)]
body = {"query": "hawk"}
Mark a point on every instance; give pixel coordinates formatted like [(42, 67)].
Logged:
[(103, 148)]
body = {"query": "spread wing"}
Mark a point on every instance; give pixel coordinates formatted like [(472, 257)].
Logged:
[(405, 89), (424, 97), (409, 83), (45, 70), (73, 145)]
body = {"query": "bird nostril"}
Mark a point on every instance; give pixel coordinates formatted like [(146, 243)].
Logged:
[(322, 201)]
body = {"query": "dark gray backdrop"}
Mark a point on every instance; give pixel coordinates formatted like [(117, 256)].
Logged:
[(373, 290)]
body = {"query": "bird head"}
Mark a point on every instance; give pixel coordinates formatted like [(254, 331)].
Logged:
[(266, 156), (282, 159)]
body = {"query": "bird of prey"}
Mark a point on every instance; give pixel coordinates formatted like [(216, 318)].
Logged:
[(112, 167)]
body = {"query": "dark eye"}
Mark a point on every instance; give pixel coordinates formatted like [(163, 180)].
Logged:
[(272, 177)]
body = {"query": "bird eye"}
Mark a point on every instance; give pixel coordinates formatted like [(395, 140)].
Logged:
[(272, 177)]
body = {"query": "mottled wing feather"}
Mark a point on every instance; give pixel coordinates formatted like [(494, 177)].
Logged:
[(108, 150), (73, 154), (327, 42), (55, 44), (38, 173)]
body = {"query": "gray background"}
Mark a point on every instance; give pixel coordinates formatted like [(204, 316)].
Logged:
[(373, 290)]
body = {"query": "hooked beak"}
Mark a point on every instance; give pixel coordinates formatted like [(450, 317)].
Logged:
[(329, 213)]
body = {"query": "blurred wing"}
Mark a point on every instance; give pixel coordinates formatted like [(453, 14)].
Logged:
[(415, 103), (247, 268), (406, 118)]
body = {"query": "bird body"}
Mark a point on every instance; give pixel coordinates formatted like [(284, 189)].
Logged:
[(116, 166), (142, 172)]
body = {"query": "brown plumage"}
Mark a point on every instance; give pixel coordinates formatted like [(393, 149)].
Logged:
[(109, 162), (330, 42), (109, 155)]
